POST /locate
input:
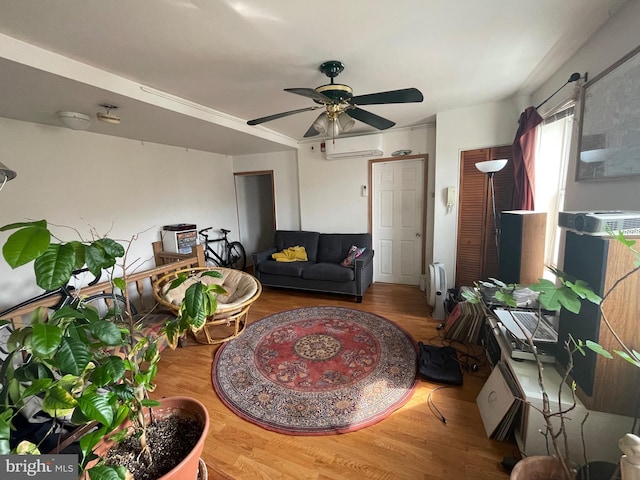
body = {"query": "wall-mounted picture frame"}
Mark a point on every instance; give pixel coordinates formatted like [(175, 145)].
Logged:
[(609, 139)]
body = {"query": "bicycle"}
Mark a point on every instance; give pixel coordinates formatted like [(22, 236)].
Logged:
[(108, 305), (233, 253)]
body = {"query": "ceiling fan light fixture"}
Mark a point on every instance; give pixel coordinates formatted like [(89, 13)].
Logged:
[(346, 122), (321, 124), (74, 120), (107, 116), (6, 173)]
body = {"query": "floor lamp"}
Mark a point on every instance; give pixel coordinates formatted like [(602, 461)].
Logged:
[(6, 174), (490, 167)]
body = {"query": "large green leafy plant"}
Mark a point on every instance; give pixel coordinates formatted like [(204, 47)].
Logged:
[(65, 359), (567, 293)]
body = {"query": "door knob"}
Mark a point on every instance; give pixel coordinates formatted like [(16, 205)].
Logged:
[(418, 235)]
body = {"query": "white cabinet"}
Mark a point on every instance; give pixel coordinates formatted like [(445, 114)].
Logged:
[(601, 430)]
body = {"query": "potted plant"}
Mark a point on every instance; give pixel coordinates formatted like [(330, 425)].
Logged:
[(67, 360), (566, 293)]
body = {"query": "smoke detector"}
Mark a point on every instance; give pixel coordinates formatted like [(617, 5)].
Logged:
[(74, 120), (107, 116)]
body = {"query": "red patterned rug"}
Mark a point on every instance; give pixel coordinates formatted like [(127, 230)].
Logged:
[(317, 371)]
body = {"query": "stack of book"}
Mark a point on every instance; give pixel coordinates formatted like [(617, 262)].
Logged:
[(464, 323)]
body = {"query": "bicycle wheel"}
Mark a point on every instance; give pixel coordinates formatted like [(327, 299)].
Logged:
[(210, 260), (236, 256), (109, 305)]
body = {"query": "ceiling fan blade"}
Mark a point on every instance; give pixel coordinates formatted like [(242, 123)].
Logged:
[(406, 95), (310, 93), (370, 118), (268, 118), (312, 132)]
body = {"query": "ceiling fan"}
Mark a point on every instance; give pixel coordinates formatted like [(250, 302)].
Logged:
[(341, 107)]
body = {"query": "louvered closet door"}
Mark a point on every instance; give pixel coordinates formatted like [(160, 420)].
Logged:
[(472, 216), (476, 257)]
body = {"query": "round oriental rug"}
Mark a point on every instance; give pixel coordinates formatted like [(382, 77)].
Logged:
[(317, 371)]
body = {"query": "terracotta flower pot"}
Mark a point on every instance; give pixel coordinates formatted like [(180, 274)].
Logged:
[(188, 468), (537, 467)]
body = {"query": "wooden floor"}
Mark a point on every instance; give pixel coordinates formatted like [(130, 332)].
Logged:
[(411, 444)]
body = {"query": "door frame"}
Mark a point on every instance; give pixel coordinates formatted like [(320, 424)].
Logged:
[(271, 175), (425, 170)]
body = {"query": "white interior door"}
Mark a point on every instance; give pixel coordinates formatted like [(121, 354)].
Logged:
[(398, 192)]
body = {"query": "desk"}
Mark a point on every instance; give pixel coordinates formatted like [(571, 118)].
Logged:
[(601, 430)]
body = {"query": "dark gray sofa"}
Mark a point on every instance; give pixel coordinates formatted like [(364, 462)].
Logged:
[(322, 272)]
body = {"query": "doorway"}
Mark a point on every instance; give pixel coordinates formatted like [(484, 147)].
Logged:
[(255, 201), (398, 218)]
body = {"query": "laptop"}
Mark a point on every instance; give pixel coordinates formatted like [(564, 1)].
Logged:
[(520, 321)]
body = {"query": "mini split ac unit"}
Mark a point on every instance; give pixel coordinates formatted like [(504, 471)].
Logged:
[(350, 147)]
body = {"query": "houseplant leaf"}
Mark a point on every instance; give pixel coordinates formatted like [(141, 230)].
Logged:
[(635, 360), (54, 267), (26, 244), (110, 371), (45, 339), (96, 406), (5, 431), (105, 331), (106, 472), (552, 297), (57, 402), (597, 348), (73, 356)]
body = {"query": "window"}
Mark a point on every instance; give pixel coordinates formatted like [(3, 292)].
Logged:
[(552, 158)]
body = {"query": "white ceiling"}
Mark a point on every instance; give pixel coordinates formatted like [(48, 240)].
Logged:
[(214, 64)]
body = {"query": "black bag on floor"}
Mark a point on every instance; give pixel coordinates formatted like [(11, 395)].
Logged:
[(439, 364)]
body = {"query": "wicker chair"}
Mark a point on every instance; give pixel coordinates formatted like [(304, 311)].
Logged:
[(230, 318)]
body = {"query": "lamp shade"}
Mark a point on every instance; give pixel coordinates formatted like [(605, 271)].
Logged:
[(321, 124), (74, 120), (6, 173), (346, 122), (491, 166)]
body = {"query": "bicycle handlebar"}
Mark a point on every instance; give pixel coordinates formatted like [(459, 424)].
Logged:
[(83, 270), (223, 230)]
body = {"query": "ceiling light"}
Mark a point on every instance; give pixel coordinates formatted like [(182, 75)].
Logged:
[(6, 173), (491, 166), (74, 120), (321, 124), (346, 122), (107, 116)]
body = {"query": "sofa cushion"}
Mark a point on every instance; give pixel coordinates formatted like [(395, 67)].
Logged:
[(288, 269), (334, 247), (291, 238), (328, 271)]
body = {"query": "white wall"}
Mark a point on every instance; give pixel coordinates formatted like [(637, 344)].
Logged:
[(285, 179), (330, 190), (479, 126), (119, 187), (615, 39)]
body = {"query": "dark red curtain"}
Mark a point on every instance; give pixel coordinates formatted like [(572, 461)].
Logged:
[(524, 149)]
